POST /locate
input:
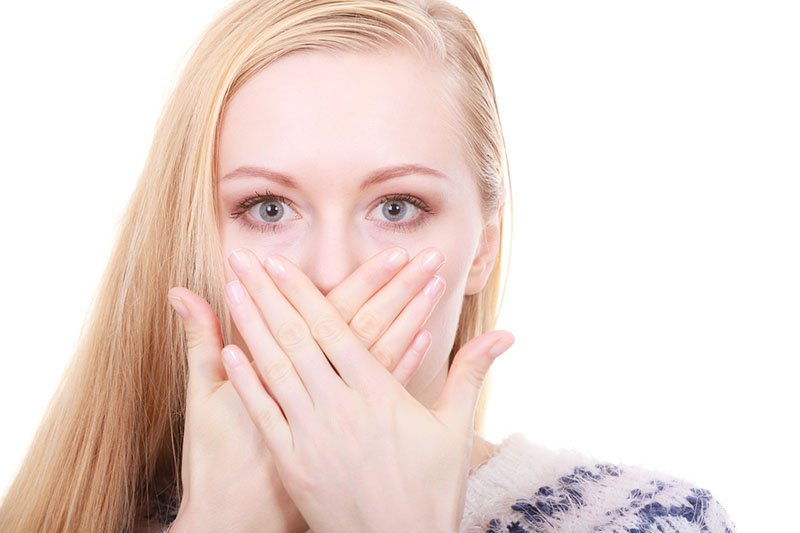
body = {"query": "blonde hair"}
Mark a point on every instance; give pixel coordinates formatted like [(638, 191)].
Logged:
[(108, 450)]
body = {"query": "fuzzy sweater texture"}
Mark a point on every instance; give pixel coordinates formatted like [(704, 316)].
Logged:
[(528, 488), (525, 487)]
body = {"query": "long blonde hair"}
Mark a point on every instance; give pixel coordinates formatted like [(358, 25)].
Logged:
[(109, 447)]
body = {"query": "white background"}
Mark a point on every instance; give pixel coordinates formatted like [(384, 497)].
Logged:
[(655, 159)]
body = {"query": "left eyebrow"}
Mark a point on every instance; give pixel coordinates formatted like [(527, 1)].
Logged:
[(377, 176)]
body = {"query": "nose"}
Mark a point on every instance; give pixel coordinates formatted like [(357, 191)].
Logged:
[(334, 251)]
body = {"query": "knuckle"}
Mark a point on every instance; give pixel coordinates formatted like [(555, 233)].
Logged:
[(343, 307), (267, 419), (366, 326), (277, 372), (193, 340), (302, 483), (384, 358), (409, 284), (328, 329), (196, 336), (291, 334), (474, 377), (259, 291)]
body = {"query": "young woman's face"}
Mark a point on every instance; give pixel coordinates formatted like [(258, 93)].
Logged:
[(329, 122)]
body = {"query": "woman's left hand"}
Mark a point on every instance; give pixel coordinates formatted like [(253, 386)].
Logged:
[(354, 450)]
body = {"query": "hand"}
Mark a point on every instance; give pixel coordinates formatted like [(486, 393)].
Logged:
[(355, 451), (228, 473)]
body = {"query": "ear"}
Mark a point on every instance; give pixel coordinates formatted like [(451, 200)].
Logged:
[(485, 255)]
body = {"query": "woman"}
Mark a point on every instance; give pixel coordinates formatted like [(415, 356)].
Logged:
[(313, 159)]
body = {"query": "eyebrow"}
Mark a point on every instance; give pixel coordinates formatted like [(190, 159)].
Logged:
[(377, 176)]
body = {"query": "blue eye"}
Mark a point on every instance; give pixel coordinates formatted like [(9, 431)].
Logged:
[(393, 208), (266, 203), (267, 217)]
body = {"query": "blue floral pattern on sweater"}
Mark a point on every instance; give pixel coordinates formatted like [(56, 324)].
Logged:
[(660, 506)]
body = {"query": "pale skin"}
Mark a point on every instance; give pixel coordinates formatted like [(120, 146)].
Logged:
[(329, 121)]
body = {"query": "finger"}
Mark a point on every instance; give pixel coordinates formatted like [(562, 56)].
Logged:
[(456, 405), (288, 332), (203, 339), (263, 410), (389, 348), (357, 297), (413, 357), (374, 317), (278, 371), (368, 278), (327, 333)]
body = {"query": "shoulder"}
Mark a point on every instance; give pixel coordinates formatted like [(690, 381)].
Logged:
[(529, 488)]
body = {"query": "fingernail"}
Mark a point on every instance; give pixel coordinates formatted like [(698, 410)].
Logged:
[(421, 341), (240, 260), (275, 266), (500, 346), (231, 356), (434, 286), (179, 306), (432, 260), (235, 291), (398, 258)]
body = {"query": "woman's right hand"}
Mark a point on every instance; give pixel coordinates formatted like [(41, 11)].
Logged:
[(229, 478)]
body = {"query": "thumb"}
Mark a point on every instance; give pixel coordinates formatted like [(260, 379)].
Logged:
[(456, 405), (203, 338)]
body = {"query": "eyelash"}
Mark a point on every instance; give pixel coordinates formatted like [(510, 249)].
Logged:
[(267, 196)]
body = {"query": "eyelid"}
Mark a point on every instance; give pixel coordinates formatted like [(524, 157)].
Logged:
[(257, 198)]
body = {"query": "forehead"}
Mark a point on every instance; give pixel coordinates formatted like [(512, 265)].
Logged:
[(323, 113)]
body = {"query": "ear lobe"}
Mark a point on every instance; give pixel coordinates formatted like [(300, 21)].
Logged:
[(485, 257)]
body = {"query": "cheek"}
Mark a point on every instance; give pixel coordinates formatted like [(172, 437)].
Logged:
[(233, 236), (234, 241), (456, 268)]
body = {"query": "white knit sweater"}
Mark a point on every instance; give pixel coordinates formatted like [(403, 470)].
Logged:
[(525, 487)]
